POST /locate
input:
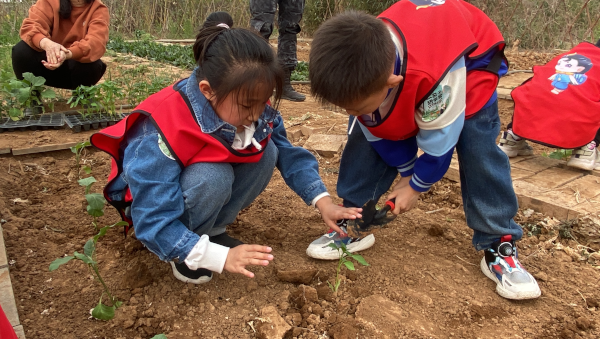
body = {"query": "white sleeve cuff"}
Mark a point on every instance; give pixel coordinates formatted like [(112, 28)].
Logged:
[(208, 255), (314, 201)]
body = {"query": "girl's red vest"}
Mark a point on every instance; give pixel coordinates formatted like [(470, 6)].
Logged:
[(433, 39), (171, 113), (569, 119)]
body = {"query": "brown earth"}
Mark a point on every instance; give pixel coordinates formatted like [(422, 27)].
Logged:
[(423, 280)]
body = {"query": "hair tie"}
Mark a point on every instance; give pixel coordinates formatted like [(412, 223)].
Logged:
[(223, 25)]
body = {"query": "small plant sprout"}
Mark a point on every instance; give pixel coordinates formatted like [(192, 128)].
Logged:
[(87, 97), (78, 149), (160, 336), (26, 94), (88, 256), (95, 201), (345, 257)]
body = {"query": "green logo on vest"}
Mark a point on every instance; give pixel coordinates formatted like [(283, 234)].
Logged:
[(163, 148), (436, 103)]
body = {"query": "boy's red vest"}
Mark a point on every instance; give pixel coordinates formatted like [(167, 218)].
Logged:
[(434, 38), (569, 119), (172, 115)]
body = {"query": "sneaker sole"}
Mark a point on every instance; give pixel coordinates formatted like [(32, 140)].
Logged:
[(330, 254), (504, 292), (581, 164), (511, 153), (181, 277)]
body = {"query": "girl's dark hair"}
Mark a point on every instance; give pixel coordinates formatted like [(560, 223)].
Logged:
[(582, 61), (65, 8), (216, 18), (235, 60)]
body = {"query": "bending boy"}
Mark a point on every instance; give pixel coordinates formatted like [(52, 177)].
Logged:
[(423, 77)]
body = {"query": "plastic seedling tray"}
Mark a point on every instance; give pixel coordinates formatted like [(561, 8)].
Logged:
[(44, 121), (77, 122)]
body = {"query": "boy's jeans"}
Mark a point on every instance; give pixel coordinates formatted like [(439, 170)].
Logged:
[(214, 193), (488, 196)]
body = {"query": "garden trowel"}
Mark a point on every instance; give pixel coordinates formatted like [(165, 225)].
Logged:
[(372, 218)]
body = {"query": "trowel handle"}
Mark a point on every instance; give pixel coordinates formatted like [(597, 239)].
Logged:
[(390, 204)]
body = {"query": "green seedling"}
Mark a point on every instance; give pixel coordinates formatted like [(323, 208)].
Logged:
[(78, 149), (345, 257), (560, 154), (110, 93), (88, 257), (21, 95), (87, 97), (160, 336), (95, 201), (300, 73)]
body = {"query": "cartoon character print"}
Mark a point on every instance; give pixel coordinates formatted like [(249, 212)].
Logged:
[(570, 70), (427, 3)]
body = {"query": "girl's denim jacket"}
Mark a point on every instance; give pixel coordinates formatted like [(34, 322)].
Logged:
[(153, 178)]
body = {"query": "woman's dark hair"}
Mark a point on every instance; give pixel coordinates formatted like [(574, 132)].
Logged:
[(65, 8), (236, 60), (216, 18)]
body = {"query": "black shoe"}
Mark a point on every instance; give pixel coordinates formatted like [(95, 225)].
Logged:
[(185, 274), (288, 91), (224, 239)]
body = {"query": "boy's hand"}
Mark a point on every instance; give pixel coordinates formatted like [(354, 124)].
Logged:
[(243, 255), (406, 196), (331, 212)]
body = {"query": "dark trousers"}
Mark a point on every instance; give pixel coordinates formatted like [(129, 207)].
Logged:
[(290, 14), (69, 75)]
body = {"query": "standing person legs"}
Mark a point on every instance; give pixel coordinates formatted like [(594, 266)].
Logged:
[(263, 15), (490, 203), (290, 14)]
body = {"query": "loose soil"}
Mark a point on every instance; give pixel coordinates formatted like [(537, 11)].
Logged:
[(424, 280)]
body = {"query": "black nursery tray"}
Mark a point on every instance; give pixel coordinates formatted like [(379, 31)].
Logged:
[(42, 122), (77, 122)]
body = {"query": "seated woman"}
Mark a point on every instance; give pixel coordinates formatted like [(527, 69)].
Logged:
[(63, 41)]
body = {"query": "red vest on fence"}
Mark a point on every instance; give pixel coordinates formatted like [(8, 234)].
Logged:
[(434, 37), (172, 115), (560, 105)]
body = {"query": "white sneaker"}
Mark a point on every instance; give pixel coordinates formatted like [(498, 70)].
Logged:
[(585, 158), (319, 249), (502, 266), (513, 145)]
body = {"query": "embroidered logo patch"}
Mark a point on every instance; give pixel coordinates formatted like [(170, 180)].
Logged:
[(163, 148), (427, 3), (436, 103), (570, 70)]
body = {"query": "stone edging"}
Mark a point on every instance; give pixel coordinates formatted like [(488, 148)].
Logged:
[(7, 297)]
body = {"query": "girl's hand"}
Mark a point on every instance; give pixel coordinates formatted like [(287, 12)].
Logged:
[(52, 49), (331, 212), (241, 256), (406, 196)]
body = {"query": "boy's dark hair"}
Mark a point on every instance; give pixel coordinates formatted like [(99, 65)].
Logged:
[(582, 61), (236, 60), (65, 8), (351, 57)]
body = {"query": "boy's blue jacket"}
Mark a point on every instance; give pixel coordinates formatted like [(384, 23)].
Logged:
[(153, 177)]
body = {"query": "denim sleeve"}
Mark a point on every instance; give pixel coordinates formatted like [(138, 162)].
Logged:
[(153, 179), (298, 166)]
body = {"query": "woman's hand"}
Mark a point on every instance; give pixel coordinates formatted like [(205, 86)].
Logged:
[(243, 255), (331, 212), (65, 55), (53, 50)]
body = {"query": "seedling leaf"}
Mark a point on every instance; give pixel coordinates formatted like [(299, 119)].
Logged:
[(95, 206), (359, 258), (160, 336), (83, 258), (349, 265), (89, 248), (85, 182), (87, 169), (103, 230), (103, 312), (60, 261), (334, 246)]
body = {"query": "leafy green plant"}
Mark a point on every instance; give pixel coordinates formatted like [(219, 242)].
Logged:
[(95, 201), (301, 72), (21, 95), (88, 257), (345, 257), (176, 55), (87, 97), (560, 154), (159, 336), (78, 149), (110, 93)]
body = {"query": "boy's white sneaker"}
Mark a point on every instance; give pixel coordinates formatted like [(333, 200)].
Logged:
[(585, 158), (513, 145)]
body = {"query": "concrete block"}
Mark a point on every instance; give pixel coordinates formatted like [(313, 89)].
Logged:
[(553, 177), (527, 189), (517, 173), (19, 331), (588, 187), (596, 172), (453, 173), (587, 206), (504, 93), (520, 158), (7, 297), (294, 135), (326, 145), (536, 164), (308, 130), (548, 208), (3, 258)]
